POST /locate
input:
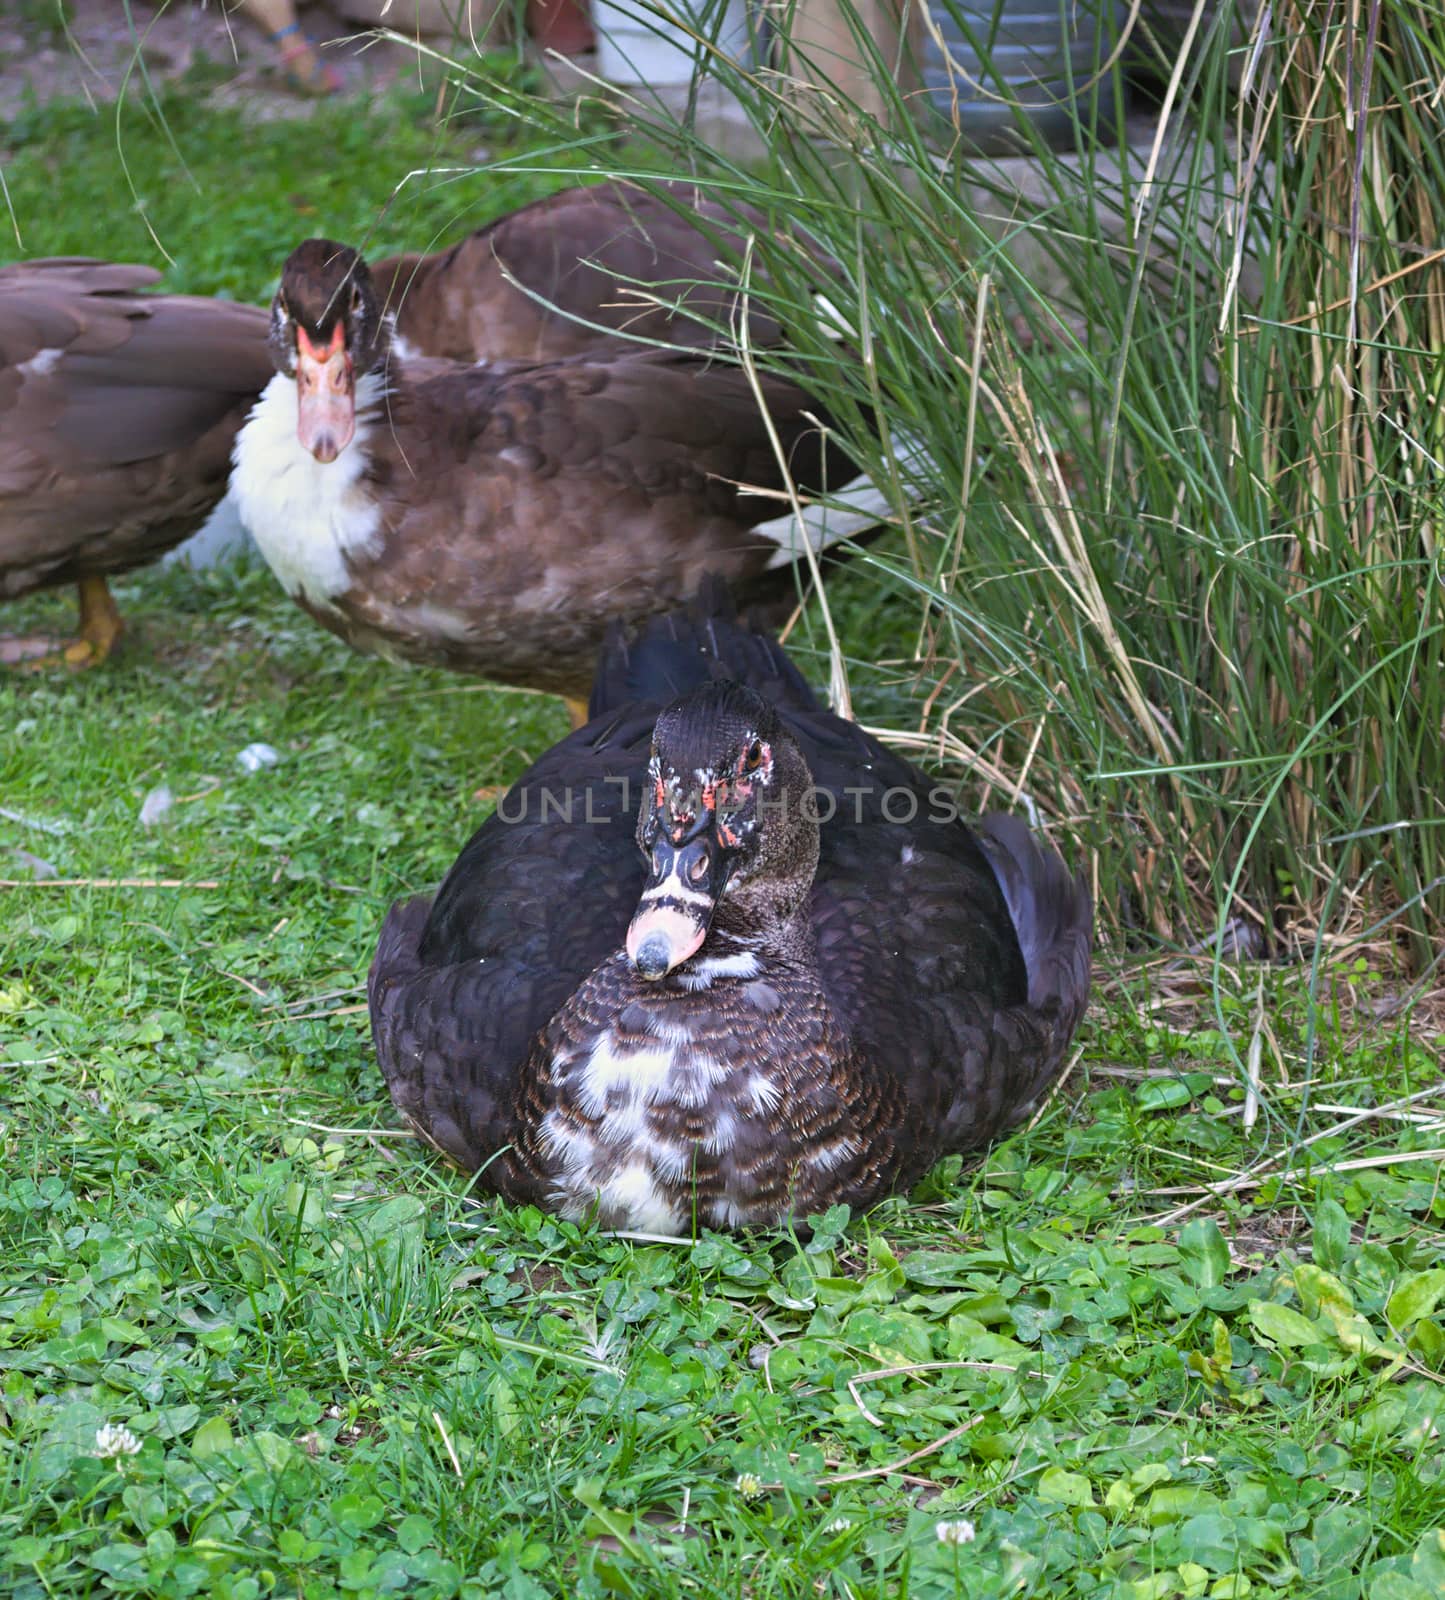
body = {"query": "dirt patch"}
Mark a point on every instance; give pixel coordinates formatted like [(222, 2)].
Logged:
[(1265, 1234), (97, 53)]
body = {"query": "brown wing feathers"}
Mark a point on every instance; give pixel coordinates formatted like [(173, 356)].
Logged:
[(614, 257), (117, 410)]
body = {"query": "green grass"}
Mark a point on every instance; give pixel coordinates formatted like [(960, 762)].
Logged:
[(217, 199), (345, 1378)]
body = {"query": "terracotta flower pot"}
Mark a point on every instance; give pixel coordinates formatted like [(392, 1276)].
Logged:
[(561, 25)]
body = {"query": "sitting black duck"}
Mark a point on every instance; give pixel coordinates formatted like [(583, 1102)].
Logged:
[(799, 980)]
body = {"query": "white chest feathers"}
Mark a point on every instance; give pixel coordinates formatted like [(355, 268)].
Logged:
[(619, 1160), (308, 519), (623, 1147)]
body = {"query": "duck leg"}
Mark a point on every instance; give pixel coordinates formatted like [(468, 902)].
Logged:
[(100, 627), (100, 624)]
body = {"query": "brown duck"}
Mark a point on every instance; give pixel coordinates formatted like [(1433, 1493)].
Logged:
[(117, 414), (587, 272), (721, 959), (495, 519)]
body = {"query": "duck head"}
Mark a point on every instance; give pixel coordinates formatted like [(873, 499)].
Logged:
[(326, 330), (728, 827)]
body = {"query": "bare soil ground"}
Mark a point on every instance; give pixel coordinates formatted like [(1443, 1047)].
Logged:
[(94, 50)]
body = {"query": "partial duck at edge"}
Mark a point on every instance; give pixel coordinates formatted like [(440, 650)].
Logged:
[(117, 413), (691, 973)]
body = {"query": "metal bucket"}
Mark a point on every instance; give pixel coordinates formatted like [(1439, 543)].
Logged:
[(1004, 62)]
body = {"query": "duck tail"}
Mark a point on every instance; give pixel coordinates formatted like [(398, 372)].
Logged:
[(696, 644), (1053, 915)]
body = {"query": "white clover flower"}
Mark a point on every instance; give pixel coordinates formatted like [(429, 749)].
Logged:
[(960, 1532), (838, 1525), (115, 1440), (749, 1485)]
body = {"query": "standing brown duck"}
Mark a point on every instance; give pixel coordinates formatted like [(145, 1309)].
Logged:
[(721, 959), (117, 413), (495, 519), (586, 272)]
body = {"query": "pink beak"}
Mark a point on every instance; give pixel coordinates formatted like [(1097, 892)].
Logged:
[(686, 877), (325, 395), (661, 938)]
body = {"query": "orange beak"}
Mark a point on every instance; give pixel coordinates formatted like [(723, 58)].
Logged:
[(325, 395)]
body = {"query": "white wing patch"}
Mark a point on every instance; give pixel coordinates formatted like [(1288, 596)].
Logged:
[(851, 510), (402, 349)]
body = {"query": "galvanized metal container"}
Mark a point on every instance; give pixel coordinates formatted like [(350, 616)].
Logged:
[(988, 66), (1164, 26)]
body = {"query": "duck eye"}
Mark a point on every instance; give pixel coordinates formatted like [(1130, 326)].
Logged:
[(698, 870), (754, 757)]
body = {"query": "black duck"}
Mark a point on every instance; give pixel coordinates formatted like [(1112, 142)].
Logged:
[(721, 959)]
